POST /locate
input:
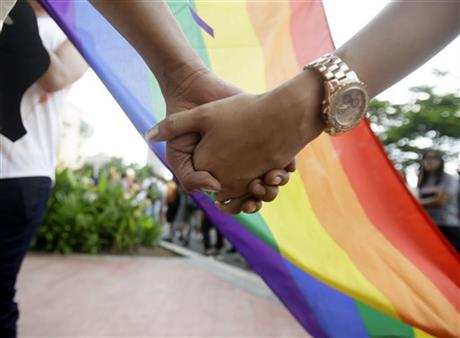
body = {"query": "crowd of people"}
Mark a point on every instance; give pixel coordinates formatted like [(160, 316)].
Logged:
[(437, 191), (169, 205), (183, 217)]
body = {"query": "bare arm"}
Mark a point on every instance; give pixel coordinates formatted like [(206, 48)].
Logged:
[(66, 67), (400, 39), (152, 30), (436, 201)]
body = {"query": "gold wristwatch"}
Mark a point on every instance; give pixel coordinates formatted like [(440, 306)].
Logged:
[(345, 96)]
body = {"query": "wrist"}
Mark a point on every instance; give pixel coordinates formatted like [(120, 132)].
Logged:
[(173, 75), (310, 91), (301, 100)]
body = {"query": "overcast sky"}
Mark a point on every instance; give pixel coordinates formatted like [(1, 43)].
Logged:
[(115, 136)]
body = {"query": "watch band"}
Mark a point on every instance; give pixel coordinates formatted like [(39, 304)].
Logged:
[(332, 68)]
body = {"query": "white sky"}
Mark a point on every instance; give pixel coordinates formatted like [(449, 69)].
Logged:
[(115, 136)]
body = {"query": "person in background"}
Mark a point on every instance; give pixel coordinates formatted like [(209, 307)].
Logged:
[(438, 193), (114, 176), (28, 161), (148, 207), (159, 204), (206, 227), (172, 205), (458, 195), (185, 218)]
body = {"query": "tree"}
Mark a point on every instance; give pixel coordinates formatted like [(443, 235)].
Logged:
[(430, 120)]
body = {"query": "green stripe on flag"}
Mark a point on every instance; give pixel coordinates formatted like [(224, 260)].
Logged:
[(256, 224), (379, 325), (192, 31)]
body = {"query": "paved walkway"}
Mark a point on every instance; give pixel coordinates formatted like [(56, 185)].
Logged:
[(113, 296)]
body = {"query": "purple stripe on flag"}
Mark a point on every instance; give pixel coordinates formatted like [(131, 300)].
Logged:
[(200, 21)]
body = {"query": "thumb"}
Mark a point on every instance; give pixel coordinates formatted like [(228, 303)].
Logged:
[(175, 125)]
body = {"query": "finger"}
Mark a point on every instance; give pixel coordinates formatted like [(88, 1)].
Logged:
[(251, 206), (271, 194), (248, 205), (257, 189), (175, 125), (199, 180), (190, 179), (292, 166), (260, 192), (233, 207), (276, 177), (227, 195)]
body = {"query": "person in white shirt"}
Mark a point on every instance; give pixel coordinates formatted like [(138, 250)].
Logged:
[(28, 160)]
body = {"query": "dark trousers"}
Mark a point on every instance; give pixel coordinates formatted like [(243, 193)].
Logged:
[(23, 204), (206, 228), (453, 235)]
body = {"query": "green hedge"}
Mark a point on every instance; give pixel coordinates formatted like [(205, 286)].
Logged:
[(93, 218)]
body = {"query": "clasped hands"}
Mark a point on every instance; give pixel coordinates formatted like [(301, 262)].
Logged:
[(239, 146)]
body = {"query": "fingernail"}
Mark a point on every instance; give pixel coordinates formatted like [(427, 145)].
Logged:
[(251, 209), (277, 180), (152, 133)]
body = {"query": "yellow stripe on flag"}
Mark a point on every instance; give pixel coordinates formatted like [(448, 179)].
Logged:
[(234, 53)]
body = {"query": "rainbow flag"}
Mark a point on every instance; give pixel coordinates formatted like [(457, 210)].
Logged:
[(345, 246)]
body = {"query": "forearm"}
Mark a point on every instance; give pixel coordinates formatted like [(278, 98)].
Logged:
[(152, 30), (400, 39), (436, 201), (66, 67), (429, 202)]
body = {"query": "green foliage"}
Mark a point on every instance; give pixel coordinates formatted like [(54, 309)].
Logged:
[(93, 218), (431, 120), (118, 165)]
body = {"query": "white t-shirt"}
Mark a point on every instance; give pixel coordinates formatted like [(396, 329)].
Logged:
[(35, 154), (5, 8)]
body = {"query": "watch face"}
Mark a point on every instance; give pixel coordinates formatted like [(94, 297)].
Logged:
[(350, 106)]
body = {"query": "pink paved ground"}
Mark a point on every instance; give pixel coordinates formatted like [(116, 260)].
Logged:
[(81, 296)]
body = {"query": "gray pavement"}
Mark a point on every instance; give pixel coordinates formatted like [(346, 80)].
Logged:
[(195, 244), (122, 296)]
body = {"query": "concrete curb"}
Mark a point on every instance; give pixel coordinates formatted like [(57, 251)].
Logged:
[(243, 279)]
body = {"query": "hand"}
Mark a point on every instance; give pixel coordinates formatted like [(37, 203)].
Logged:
[(259, 189), (194, 88), (244, 136)]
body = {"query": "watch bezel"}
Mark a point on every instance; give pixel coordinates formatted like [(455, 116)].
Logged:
[(333, 97)]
